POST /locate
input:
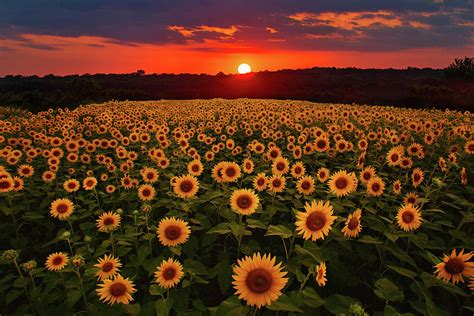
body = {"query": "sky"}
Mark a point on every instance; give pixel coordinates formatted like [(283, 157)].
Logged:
[(207, 36)]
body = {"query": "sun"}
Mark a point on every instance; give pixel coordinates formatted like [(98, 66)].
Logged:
[(244, 69)]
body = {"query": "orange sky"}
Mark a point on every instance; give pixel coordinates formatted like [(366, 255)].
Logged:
[(86, 54)]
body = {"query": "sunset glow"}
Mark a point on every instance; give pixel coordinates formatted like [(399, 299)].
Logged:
[(244, 69)]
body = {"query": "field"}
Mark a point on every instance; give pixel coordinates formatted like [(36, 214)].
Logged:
[(235, 207)]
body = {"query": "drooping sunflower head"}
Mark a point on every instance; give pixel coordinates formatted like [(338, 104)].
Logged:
[(116, 290), (56, 261), (455, 266), (409, 217), (244, 201), (108, 221), (186, 186), (169, 273), (61, 208), (316, 221), (173, 231), (258, 280)]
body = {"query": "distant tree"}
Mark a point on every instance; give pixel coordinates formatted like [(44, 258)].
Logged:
[(462, 68), (220, 74), (140, 72)]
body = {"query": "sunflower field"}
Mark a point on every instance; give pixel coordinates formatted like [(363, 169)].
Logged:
[(236, 207)]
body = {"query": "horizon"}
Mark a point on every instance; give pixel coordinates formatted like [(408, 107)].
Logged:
[(42, 37)]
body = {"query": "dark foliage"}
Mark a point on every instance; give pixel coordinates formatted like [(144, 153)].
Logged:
[(412, 87)]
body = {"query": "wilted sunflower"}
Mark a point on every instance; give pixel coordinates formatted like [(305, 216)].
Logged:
[(244, 201), (169, 273), (375, 186), (186, 186), (276, 183), (116, 290), (258, 281), (61, 208), (409, 217), (341, 183), (173, 231), (108, 222), (321, 274), (56, 261), (455, 266), (146, 192), (108, 267), (305, 185), (316, 221), (353, 226), (260, 182)]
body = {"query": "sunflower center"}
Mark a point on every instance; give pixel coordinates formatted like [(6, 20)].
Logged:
[(146, 192), (305, 185), (259, 280), (276, 183), (321, 144), (195, 168), (4, 185), (341, 183), (169, 273), (353, 223), (150, 176), (470, 147), (118, 289), (109, 221), (57, 261), (407, 217), (244, 201), (375, 187), (416, 177), (411, 200), (280, 166), (186, 186), (273, 154), (230, 172), (172, 232), (316, 221), (62, 208), (366, 175), (260, 182), (454, 266), (394, 157), (106, 267)]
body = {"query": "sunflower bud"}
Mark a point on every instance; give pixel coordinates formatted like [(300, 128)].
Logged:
[(66, 234), (28, 266), (10, 255), (78, 261), (87, 238), (119, 211)]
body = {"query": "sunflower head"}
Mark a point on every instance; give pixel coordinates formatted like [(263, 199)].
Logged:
[(316, 222), (244, 201), (173, 231), (409, 217), (169, 273)]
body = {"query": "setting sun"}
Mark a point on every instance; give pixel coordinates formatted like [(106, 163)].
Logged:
[(244, 69)]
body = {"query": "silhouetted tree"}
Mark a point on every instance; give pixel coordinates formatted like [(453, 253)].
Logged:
[(461, 67)]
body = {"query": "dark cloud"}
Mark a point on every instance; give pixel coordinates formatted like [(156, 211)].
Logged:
[(423, 23)]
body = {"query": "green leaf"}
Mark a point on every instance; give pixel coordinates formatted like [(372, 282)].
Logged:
[(163, 307), (279, 230), (311, 298), (338, 304), (155, 289), (222, 228), (408, 273), (369, 240), (388, 291), (231, 306), (284, 303), (254, 223), (239, 230)]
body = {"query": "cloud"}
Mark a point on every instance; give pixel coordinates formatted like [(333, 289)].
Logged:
[(189, 32)]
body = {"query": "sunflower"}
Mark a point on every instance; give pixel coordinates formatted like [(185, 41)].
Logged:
[(110, 189), (56, 261), (411, 198), (276, 183), (260, 182), (305, 185), (321, 144), (146, 192), (394, 157), (6, 184), (186, 186), (397, 187), (116, 290), (341, 183), (258, 280), (108, 221), (244, 201), (409, 217), (149, 175), (25, 171), (195, 168), (89, 183), (280, 166), (48, 176), (323, 175), (173, 231), (417, 177), (463, 176), (321, 274), (126, 182), (108, 266), (17, 184), (71, 185), (169, 273), (375, 186), (316, 221), (230, 172), (298, 170), (353, 226), (455, 266), (469, 147), (366, 174), (247, 166), (61, 208)]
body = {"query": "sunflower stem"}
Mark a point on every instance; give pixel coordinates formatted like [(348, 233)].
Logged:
[(81, 284), (286, 250), (304, 282), (112, 242)]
